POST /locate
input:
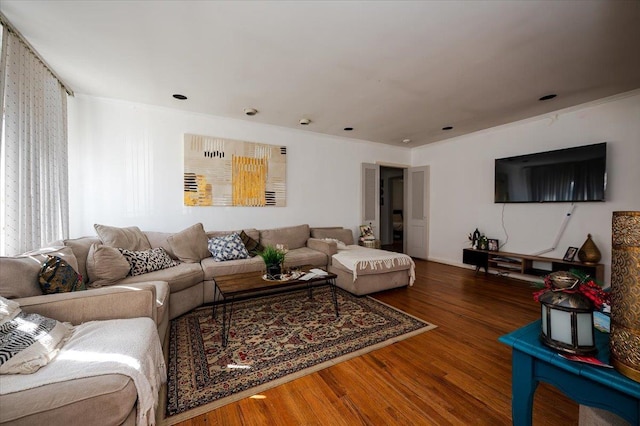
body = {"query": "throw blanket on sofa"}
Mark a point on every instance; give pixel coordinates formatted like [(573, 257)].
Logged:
[(358, 258), (124, 346)]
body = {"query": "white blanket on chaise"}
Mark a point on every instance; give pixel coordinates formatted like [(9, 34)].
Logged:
[(356, 257), (124, 346)]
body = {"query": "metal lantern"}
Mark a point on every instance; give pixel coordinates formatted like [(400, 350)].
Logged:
[(567, 319)]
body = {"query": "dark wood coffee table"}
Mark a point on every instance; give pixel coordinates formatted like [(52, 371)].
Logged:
[(251, 285)]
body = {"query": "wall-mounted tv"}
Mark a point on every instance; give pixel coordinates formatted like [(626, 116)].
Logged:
[(565, 175)]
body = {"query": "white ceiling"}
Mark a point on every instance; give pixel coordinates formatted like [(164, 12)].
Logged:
[(391, 70)]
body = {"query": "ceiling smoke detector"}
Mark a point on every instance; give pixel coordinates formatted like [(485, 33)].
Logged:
[(406, 140), (250, 111), (304, 121)]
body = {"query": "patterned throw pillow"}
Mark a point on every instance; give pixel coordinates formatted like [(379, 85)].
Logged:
[(146, 261), (57, 276), (30, 341), (252, 246), (228, 247)]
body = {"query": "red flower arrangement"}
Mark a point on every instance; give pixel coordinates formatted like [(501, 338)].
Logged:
[(572, 283)]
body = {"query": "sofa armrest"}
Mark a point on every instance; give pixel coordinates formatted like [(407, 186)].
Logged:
[(103, 303), (327, 247)]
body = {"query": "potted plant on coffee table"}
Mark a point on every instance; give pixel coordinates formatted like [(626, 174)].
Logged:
[(273, 259)]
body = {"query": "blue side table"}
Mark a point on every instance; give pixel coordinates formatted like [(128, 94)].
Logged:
[(586, 384)]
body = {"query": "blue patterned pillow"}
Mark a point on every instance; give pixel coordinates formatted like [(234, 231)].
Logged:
[(228, 247)]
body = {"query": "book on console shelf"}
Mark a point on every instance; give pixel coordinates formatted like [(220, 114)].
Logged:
[(505, 259), (591, 360)]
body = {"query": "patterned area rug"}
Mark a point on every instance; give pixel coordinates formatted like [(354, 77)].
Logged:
[(272, 340)]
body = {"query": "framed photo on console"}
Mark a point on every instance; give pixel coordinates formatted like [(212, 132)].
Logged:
[(493, 245), (570, 254)]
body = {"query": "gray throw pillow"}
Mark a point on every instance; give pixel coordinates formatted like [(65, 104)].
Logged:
[(190, 245), (252, 246), (131, 238), (106, 265)]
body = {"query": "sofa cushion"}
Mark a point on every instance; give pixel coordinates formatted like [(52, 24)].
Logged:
[(370, 268), (190, 245), (179, 277), (30, 341), (292, 237), (106, 265), (162, 296), (146, 261), (19, 274), (81, 247), (305, 256), (229, 247), (131, 238), (213, 269), (340, 234), (57, 276), (251, 244), (106, 400)]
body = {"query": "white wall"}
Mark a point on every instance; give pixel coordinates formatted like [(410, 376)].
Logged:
[(462, 181), (126, 166)]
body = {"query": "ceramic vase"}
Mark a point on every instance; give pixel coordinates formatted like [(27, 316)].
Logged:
[(624, 341), (589, 253)]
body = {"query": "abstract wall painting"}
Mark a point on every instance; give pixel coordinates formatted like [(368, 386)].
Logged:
[(227, 172)]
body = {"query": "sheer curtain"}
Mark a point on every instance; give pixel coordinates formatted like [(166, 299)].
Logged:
[(34, 189)]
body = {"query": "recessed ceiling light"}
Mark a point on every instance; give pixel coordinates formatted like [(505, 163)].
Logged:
[(348, 129), (250, 111), (406, 140), (547, 97), (305, 121), (179, 96), (447, 128)]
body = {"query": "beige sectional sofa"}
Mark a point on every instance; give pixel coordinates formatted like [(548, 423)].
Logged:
[(161, 295), (107, 399)]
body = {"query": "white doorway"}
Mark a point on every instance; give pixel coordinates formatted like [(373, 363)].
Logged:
[(395, 202), (392, 208), (417, 217)]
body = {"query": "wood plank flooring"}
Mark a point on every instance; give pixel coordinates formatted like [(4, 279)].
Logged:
[(457, 374)]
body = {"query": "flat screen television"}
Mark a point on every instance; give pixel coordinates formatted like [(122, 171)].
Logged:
[(565, 175)]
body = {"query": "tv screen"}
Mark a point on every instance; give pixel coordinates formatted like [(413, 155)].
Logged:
[(564, 175)]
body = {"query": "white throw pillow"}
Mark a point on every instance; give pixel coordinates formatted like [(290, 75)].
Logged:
[(340, 244), (8, 309), (30, 341)]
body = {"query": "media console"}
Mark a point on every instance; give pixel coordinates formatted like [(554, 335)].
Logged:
[(525, 264)]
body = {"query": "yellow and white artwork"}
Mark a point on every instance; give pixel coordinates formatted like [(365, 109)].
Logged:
[(227, 172)]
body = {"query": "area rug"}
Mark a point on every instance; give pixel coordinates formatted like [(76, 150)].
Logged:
[(272, 340)]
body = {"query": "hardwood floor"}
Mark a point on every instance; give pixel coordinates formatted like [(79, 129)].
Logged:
[(457, 374)]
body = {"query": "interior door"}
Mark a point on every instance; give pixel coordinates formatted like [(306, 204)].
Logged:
[(370, 197), (416, 236)]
